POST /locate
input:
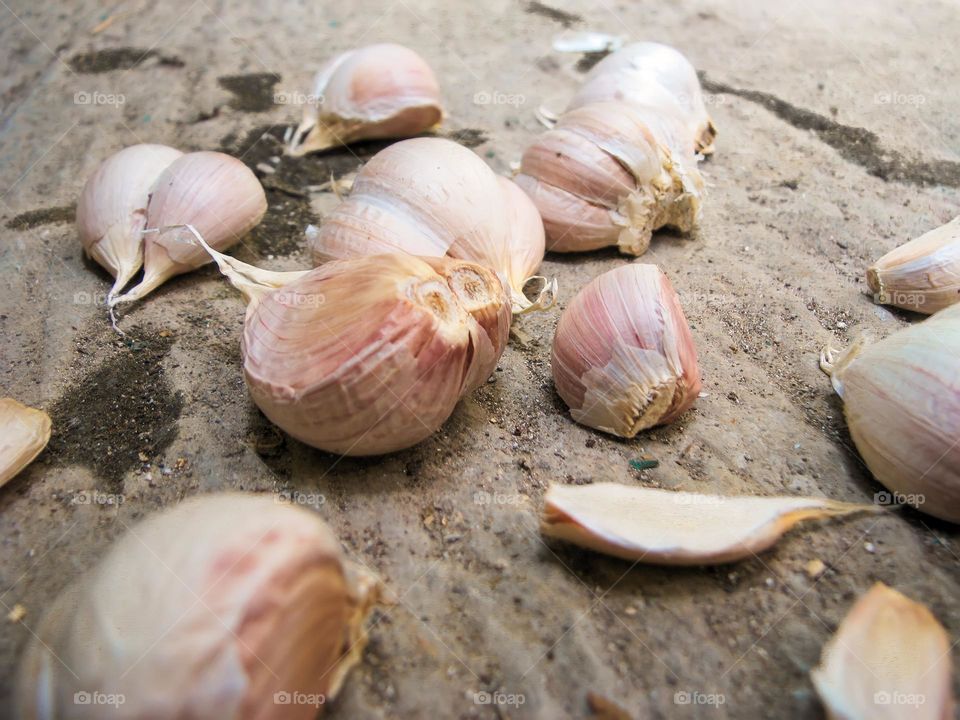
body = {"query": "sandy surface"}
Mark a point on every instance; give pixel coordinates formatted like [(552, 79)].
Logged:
[(800, 201)]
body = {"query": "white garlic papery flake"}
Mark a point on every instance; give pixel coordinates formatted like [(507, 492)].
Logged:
[(215, 193), (606, 175), (922, 275), (623, 357), (24, 433), (209, 609), (656, 77), (434, 197), (901, 399), (379, 91), (112, 209)]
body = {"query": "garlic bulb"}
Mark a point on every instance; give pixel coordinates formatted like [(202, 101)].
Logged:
[(215, 193), (225, 606), (606, 175), (922, 275), (901, 398), (653, 76), (623, 357), (24, 433), (434, 197), (112, 209), (379, 91)]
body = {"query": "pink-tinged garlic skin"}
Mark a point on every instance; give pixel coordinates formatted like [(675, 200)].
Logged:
[(623, 356), (206, 610), (528, 241), (371, 355)]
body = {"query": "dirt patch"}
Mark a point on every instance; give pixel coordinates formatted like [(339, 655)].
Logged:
[(124, 58), (566, 19), (43, 216), (586, 63), (468, 137), (252, 92)]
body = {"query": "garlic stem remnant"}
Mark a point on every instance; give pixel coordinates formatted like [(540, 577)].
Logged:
[(208, 609), (664, 527), (379, 91), (901, 399), (623, 357), (922, 275), (24, 433), (889, 659)]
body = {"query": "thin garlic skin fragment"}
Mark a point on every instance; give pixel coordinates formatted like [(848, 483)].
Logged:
[(379, 91), (901, 399), (24, 433), (623, 357), (209, 609)]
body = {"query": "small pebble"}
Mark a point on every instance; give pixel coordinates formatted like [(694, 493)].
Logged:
[(870, 547), (17, 613), (815, 568)]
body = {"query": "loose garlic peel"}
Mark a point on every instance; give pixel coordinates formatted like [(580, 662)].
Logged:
[(889, 659), (24, 433), (379, 91), (922, 275), (623, 357), (204, 610), (901, 399), (665, 527)]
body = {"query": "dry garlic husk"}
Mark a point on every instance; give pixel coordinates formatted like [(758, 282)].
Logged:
[(434, 197), (889, 659), (623, 356), (901, 398), (922, 275), (214, 608), (653, 76), (666, 527), (215, 193), (24, 433), (112, 209), (607, 175), (379, 91)]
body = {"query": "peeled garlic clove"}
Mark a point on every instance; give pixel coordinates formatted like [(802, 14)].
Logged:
[(379, 91), (215, 193), (666, 527), (112, 209), (24, 433), (213, 608), (655, 76), (901, 398), (889, 658), (623, 356), (922, 275)]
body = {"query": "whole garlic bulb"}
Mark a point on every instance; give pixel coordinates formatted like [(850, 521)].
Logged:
[(604, 176), (901, 398), (623, 356), (379, 91), (218, 607), (213, 192), (112, 209), (922, 275)]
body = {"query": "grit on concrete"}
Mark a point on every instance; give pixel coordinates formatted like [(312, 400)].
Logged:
[(839, 139)]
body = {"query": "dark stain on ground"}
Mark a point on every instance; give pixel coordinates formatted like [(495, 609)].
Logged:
[(856, 145), (468, 137), (124, 58), (252, 92), (588, 60), (270, 443), (43, 216), (123, 407), (564, 18)]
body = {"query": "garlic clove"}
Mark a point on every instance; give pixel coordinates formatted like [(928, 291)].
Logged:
[(901, 399), (209, 609), (623, 357), (24, 433), (379, 91), (922, 275), (111, 211), (213, 192), (666, 527), (889, 658), (526, 249)]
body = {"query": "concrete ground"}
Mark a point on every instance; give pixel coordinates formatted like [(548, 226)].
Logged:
[(839, 139)]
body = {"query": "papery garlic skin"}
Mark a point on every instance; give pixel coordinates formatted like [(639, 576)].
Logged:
[(922, 275), (623, 357), (528, 240), (24, 433), (112, 209), (379, 91), (205, 610), (901, 399)]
